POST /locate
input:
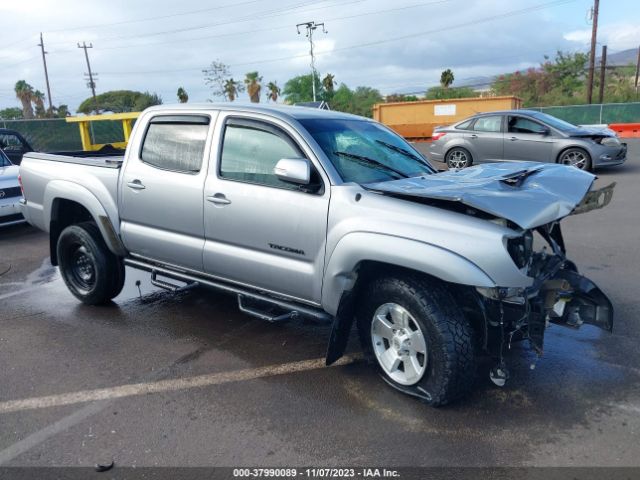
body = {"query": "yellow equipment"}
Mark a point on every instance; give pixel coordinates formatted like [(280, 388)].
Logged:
[(84, 125)]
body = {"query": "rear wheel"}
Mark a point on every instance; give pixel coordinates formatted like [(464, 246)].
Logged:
[(458, 157), (576, 157), (92, 273), (420, 340)]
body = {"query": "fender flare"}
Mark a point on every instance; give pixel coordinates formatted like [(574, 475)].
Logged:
[(340, 277), (66, 190), (354, 248)]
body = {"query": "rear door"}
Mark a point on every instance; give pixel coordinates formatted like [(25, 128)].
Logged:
[(161, 190), (527, 139), (486, 139), (259, 230)]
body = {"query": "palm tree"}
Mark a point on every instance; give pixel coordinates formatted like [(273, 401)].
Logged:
[(274, 91), (38, 99), (446, 78), (231, 89), (252, 81), (24, 93), (183, 96), (328, 83)]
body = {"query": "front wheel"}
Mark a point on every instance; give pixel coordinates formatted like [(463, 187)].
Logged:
[(418, 337), (91, 272), (458, 157), (576, 157)]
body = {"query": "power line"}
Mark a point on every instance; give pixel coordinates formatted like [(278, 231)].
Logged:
[(148, 19), (373, 43), (279, 27)]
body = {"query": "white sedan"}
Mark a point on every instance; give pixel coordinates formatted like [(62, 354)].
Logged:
[(10, 193)]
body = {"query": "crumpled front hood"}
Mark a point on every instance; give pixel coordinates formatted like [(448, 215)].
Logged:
[(529, 194)]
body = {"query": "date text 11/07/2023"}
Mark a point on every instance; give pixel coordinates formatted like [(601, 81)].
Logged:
[(315, 472)]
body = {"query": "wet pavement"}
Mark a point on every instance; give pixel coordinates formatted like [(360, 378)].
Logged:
[(580, 405)]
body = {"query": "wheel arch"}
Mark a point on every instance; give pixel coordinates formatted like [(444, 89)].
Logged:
[(67, 203)]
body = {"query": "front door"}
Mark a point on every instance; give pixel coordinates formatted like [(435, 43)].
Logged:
[(261, 231), (486, 140), (527, 139), (161, 191)]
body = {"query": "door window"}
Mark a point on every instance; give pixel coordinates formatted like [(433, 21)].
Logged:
[(524, 125), (250, 151), (10, 143), (176, 142), (491, 123)]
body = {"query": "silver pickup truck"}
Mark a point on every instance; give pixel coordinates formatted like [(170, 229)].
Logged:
[(303, 212)]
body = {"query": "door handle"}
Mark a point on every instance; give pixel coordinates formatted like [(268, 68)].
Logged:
[(218, 199), (513, 139), (136, 185), (474, 136)]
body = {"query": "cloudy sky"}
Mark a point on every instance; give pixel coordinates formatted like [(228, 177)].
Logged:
[(394, 45)]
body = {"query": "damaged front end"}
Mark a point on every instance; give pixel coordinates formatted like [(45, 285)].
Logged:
[(559, 295)]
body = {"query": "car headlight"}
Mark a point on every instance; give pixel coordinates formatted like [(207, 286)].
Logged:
[(521, 249)]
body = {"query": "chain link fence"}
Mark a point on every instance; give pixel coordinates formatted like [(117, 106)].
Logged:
[(55, 134), (598, 114)]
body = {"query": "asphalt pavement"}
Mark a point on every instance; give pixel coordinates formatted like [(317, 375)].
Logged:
[(184, 379)]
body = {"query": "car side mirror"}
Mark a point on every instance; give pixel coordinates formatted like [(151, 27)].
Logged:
[(293, 170), (546, 131)]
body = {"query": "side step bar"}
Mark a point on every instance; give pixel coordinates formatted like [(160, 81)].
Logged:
[(294, 309)]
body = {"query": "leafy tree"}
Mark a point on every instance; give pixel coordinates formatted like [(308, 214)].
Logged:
[(300, 89), (328, 84), (273, 91), (24, 93), (12, 113), (252, 81), (183, 96), (359, 101), (446, 78), (399, 97), (215, 77), (560, 81), (441, 93), (147, 100), (232, 88), (118, 101), (61, 111)]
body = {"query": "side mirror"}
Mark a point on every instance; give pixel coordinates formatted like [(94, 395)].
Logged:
[(293, 170), (545, 131)]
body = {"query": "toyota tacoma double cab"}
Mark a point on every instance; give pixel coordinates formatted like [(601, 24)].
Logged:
[(313, 213)]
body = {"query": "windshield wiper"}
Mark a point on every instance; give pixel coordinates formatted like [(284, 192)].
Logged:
[(371, 161)]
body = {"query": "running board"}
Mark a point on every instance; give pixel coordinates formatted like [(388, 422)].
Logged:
[(292, 315), (286, 305)]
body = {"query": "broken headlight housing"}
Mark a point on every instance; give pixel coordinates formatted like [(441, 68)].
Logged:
[(521, 249)]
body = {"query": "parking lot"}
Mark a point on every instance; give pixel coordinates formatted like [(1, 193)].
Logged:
[(184, 379)]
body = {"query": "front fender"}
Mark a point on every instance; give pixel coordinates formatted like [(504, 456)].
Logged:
[(357, 247), (62, 189)]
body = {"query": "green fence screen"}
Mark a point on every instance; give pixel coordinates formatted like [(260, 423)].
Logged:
[(596, 114), (51, 135)]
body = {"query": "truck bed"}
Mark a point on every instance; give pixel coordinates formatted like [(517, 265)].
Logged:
[(81, 158)]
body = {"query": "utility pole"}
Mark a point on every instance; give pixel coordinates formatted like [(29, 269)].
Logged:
[(91, 83), (310, 28), (592, 58), (603, 67), (46, 73)]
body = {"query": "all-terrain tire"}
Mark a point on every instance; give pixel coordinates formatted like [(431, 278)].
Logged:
[(449, 372), (92, 273)]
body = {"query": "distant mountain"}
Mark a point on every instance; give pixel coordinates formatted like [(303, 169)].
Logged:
[(623, 58)]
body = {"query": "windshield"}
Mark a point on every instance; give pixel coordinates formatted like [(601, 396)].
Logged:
[(554, 122), (365, 152), (4, 161)]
